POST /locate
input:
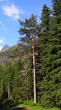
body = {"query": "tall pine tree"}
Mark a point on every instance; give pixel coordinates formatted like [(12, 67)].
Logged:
[(30, 29)]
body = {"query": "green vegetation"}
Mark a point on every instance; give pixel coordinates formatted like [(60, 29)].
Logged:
[(31, 106), (38, 51)]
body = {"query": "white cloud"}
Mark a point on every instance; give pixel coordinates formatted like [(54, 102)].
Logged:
[(12, 11), (1, 40), (1, 47)]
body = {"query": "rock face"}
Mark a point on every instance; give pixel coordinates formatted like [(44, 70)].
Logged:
[(5, 47)]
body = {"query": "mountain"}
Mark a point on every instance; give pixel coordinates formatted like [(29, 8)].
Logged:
[(7, 53), (5, 47), (13, 53)]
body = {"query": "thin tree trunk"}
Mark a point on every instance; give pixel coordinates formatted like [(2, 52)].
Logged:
[(8, 92), (34, 72)]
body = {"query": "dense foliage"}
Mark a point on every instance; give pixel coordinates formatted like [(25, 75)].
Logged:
[(16, 74)]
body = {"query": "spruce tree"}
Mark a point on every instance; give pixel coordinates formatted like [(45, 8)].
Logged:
[(51, 61), (56, 7), (42, 49), (45, 19), (54, 53)]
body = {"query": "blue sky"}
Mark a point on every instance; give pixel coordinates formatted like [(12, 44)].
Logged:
[(11, 11)]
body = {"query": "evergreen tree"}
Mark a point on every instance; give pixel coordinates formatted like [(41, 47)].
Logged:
[(30, 29), (45, 19), (1, 80), (51, 61), (42, 49), (54, 53), (26, 57), (8, 79), (16, 81), (56, 7)]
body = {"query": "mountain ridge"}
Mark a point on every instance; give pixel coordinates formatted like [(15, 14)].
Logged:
[(5, 47), (7, 53)]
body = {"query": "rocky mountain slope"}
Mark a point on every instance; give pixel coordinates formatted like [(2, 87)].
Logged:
[(5, 47), (8, 53)]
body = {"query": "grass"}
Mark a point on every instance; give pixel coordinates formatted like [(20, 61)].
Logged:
[(32, 106)]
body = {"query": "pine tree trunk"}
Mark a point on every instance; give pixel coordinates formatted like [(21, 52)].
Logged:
[(34, 72)]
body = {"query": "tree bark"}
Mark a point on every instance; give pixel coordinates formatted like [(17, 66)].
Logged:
[(8, 92), (34, 72)]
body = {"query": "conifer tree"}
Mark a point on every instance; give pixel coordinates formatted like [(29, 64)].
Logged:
[(51, 60), (1, 80), (42, 49), (54, 52), (30, 29), (56, 7), (45, 19)]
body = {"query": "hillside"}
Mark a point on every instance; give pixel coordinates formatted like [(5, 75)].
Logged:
[(14, 52), (8, 53)]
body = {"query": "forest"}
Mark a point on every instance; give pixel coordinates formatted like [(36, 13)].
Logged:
[(33, 70)]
